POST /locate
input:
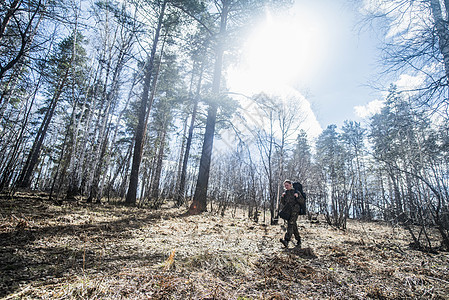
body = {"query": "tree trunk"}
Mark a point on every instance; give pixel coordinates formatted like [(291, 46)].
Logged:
[(28, 169), (442, 32), (98, 168), (141, 126), (101, 155), (74, 177), (58, 167), (79, 165), (199, 203), (178, 194), (127, 165), (7, 172), (125, 160), (182, 181), (158, 170)]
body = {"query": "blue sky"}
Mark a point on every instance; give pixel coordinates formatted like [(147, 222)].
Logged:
[(342, 84)]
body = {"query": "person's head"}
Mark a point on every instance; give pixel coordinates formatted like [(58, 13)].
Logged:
[(288, 184)]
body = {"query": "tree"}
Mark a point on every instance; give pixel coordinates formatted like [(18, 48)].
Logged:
[(19, 23), (265, 141), (417, 39), (300, 168), (24, 43), (199, 57), (281, 119), (228, 11), (150, 79), (329, 152), (404, 142), (144, 109), (69, 52), (353, 143), (169, 92), (199, 203), (117, 35), (301, 159)]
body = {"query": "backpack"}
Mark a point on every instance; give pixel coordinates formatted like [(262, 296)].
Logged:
[(302, 205)]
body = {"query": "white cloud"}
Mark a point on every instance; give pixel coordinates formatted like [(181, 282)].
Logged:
[(409, 83), (369, 110)]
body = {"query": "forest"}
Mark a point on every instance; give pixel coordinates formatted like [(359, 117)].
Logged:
[(116, 120)]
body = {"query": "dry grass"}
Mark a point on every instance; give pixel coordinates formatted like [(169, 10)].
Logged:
[(101, 252)]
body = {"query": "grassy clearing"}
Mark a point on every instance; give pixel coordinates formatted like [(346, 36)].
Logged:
[(76, 251)]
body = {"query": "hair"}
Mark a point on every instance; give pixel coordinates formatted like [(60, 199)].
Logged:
[(288, 181)]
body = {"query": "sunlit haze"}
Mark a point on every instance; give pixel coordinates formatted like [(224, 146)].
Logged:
[(312, 52), (281, 50)]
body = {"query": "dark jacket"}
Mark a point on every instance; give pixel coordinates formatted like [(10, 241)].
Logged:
[(288, 197)]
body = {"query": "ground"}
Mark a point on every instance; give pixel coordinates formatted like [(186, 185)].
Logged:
[(80, 251)]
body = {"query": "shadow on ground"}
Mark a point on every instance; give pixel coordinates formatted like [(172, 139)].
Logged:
[(32, 230)]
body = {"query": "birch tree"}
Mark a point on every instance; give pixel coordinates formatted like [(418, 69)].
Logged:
[(118, 34), (353, 143), (68, 52)]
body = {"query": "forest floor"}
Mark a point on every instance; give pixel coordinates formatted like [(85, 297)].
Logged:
[(80, 251)]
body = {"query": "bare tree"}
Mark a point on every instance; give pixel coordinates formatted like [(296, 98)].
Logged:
[(274, 141), (19, 23), (417, 39)]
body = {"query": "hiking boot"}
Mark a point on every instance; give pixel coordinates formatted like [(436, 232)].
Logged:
[(298, 244), (284, 242)]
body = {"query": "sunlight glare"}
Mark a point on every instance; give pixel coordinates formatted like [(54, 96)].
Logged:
[(281, 51), (281, 55)]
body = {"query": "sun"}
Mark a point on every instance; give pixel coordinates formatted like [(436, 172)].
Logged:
[(281, 50), (280, 54)]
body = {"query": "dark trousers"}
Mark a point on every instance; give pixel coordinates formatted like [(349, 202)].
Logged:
[(292, 227)]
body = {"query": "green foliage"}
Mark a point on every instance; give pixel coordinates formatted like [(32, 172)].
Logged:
[(328, 149), (300, 162), (67, 60)]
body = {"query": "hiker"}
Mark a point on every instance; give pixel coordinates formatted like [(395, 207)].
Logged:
[(291, 198)]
